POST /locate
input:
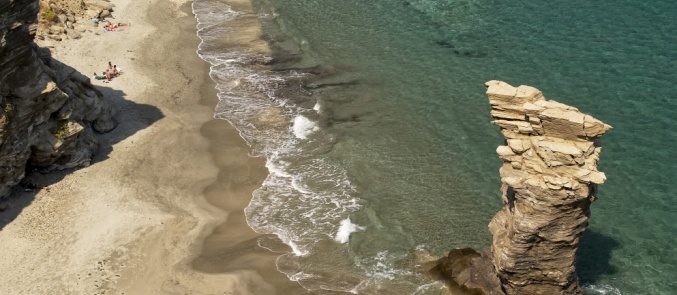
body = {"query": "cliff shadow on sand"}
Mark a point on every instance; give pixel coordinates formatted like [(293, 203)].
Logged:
[(52, 116), (132, 118)]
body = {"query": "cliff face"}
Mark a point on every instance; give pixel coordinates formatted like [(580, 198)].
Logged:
[(549, 177), (48, 111)]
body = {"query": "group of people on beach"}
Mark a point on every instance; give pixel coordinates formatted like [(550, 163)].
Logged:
[(111, 72)]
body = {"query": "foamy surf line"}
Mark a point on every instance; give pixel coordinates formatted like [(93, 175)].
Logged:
[(601, 290), (305, 198)]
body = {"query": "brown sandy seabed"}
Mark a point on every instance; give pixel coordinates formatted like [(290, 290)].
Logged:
[(160, 210)]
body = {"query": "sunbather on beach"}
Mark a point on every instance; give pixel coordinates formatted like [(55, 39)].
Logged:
[(97, 77), (111, 28), (116, 71)]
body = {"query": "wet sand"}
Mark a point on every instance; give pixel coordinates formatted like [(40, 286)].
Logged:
[(160, 210)]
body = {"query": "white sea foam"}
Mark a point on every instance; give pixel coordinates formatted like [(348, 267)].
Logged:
[(295, 248), (299, 186), (317, 107), (383, 268), (345, 229), (380, 271), (301, 276), (305, 195), (601, 290), (278, 167), (380, 267), (435, 287), (303, 127)]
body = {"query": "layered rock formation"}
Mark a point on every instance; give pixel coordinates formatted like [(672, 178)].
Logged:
[(550, 178), (48, 111), (61, 19)]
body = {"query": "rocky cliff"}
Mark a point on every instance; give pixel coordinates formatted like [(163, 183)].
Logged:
[(68, 19), (48, 111), (550, 178)]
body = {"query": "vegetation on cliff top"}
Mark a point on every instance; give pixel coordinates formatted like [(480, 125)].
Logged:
[(47, 13)]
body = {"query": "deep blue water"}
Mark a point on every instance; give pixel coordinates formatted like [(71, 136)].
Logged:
[(387, 127)]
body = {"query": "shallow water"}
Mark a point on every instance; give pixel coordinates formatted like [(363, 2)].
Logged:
[(375, 126)]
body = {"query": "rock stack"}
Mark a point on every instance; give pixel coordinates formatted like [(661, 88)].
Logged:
[(48, 110), (550, 178)]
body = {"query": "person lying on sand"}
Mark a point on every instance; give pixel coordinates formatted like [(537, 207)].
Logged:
[(114, 26), (97, 77), (111, 27)]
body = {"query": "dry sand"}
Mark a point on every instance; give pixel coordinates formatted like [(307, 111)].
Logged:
[(168, 180)]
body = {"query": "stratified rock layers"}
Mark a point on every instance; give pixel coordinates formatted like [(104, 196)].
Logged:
[(549, 177), (48, 110)]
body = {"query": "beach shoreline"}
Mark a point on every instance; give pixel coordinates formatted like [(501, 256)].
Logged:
[(149, 215)]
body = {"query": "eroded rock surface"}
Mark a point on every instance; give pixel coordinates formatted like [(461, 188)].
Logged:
[(550, 178), (67, 19), (48, 110)]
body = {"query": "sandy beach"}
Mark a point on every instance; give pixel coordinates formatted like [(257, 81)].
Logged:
[(160, 210)]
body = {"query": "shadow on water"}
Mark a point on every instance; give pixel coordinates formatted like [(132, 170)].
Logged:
[(131, 117), (593, 256)]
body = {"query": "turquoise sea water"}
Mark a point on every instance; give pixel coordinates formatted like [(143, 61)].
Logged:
[(386, 131)]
